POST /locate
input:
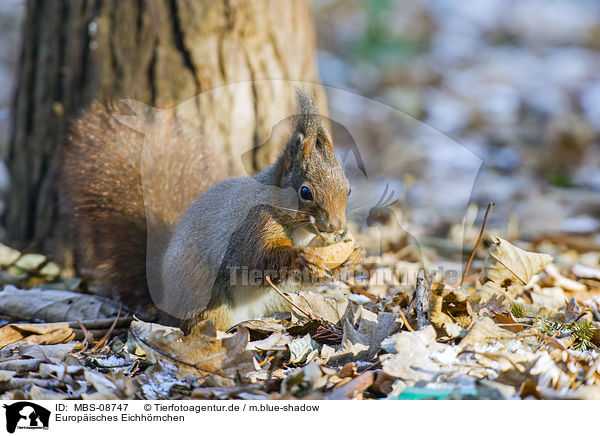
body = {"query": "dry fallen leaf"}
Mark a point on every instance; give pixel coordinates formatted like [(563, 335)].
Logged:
[(449, 308), (51, 333), (275, 342), (585, 272), (563, 282), (305, 380), (54, 306), (301, 348), (327, 308), (508, 269), (8, 255), (200, 353), (412, 355), (364, 341), (485, 331)]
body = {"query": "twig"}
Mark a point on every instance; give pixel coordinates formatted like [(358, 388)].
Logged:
[(370, 367), (487, 211), (101, 323), (87, 337), (422, 300), (408, 327), (104, 339), (494, 356), (286, 298), (358, 290)]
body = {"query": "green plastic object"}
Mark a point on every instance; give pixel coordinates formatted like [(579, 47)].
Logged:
[(416, 393)]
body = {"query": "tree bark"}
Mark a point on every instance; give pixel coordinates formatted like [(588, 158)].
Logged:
[(161, 52)]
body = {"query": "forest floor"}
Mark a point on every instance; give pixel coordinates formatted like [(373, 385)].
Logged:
[(513, 83), (524, 324)]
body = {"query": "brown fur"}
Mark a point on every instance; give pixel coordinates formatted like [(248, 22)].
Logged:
[(108, 205)]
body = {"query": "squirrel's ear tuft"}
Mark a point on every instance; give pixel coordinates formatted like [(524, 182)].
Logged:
[(308, 133), (309, 127)]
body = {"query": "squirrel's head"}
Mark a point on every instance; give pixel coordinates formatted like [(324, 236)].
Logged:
[(309, 165)]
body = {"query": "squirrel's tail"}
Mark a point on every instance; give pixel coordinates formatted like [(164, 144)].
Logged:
[(122, 199), (101, 194)]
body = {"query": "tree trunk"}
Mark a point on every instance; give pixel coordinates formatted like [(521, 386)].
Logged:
[(161, 52)]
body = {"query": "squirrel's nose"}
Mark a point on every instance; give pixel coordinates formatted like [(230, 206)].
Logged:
[(336, 224)]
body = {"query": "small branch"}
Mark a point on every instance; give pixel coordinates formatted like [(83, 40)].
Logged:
[(358, 290), (487, 212), (101, 323), (422, 300), (408, 327), (105, 338), (286, 298)]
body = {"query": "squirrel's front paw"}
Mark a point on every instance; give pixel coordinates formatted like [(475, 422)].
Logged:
[(313, 263), (355, 258)]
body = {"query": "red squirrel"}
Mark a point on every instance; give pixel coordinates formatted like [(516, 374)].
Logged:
[(210, 228)]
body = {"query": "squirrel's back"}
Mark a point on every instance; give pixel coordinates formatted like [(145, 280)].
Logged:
[(124, 189)]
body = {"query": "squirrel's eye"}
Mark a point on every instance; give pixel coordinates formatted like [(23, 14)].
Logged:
[(305, 193)]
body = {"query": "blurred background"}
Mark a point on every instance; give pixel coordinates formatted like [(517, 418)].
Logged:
[(515, 82)]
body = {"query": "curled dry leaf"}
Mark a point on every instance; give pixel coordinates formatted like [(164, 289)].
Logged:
[(585, 272), (54, 305), (563, 282), (508, 269), (449, 308), (53, 333), (200, 353), (275, 342), (301, 348)]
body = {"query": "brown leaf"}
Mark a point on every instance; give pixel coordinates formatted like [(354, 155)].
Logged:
[(383, 384), (508, 318), (497, 303), (50, 333), (354, 388), (530, 388), (200, 353), (448, 306)]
